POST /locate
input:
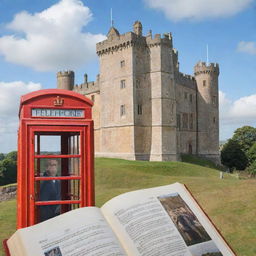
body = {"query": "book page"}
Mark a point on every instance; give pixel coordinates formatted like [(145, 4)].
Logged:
[(80, 232), (163, 221)]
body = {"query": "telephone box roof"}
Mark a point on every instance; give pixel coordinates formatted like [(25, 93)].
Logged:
[(60, 92)]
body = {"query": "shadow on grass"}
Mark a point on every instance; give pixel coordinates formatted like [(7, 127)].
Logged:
[(192, 159)]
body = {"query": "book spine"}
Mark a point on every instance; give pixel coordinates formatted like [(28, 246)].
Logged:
[(6, 249)]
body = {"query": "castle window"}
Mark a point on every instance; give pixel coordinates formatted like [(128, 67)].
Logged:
[(139, 109), (93, 98), (185, 95), (191, 98), (214, 120), (137, 83), (178, 121), (191, 122), (122, 110), (184, 121), (214, 100), (122, 84), (122, 63), (204, 82)]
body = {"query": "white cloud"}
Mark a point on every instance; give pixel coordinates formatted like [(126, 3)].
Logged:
[(247, 47), (198, 9), (234, 114), (244, 108), (9, 107), (51, 40)]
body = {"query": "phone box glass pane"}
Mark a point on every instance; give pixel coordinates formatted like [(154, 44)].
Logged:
[(52, 144), (55, 167), (55, 190)]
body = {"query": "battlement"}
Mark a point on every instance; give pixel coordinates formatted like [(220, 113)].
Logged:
[(87, 88), (186, 77), (203, 68), (116, 42), (129, 39), (165, 39), (66, 73), (186, 80)]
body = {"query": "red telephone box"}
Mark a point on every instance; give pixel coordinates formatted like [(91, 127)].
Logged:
[(55, 155)]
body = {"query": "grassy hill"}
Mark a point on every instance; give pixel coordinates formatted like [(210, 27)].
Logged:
[(229, 202)]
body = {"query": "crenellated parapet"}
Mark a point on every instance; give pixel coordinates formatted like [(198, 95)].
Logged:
[(115, 43), (66, 73), (203, 68), (185, 80), (87, 88), (158, 40)]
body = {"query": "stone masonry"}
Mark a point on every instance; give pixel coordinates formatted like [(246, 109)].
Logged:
[(144, 107)]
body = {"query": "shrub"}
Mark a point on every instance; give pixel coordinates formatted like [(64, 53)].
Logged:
[(252, 153), (252, 169), (8, 168), (233, 156), (245, 137)]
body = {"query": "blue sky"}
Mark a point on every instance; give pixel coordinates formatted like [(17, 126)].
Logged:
[(39, 38)]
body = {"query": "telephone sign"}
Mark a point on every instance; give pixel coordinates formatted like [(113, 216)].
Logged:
[(44, 112)]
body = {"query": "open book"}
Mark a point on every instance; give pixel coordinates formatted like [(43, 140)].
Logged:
[(158, 221)]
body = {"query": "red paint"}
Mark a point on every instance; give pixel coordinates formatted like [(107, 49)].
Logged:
[(69, 129)]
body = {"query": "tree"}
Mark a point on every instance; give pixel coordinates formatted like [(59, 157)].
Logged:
[(12, 155), (233, 156), (245, 137), (8, 168), (2, 156), (252, 169), (252, 153)]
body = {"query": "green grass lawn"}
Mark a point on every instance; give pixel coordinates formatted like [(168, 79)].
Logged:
[(230, 202)]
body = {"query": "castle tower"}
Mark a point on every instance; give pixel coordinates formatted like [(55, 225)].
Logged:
[(138, 105), (65, 80), (207, 110), (163, 100), (116, 92)]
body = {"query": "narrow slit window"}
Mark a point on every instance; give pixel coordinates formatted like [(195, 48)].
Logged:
[(122, 110), (137, 83), (122, 84), (139, 109), (122, 63), (214, 100), (191, 98)]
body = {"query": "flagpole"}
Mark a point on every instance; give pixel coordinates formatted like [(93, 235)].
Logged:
[(111, 18), (207, 57)]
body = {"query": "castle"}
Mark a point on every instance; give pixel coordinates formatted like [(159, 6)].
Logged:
[(144, 107)]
